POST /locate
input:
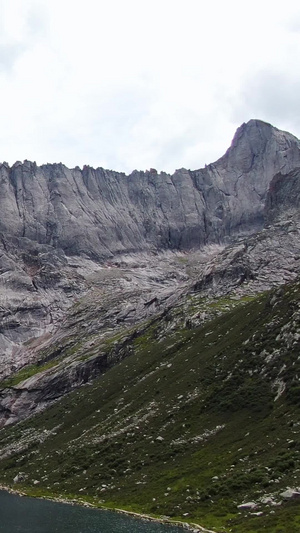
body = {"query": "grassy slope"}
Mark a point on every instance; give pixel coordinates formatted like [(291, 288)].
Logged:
[(186, 426)]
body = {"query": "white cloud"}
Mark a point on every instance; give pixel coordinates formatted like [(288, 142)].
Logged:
[(136, 84)]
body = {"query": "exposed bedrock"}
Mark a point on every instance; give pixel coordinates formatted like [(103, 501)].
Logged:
[(100, 213)]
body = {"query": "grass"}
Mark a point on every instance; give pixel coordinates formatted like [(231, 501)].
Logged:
[(26, 373)]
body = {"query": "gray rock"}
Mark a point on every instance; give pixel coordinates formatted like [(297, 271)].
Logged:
[(290, 494), (19, 477), (100, 213), (247, 505)]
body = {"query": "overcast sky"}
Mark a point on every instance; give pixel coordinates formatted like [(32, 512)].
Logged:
[(134, 84)]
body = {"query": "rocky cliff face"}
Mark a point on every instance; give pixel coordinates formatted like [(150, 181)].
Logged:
[(283, 196), (100, 213), (266, 258), (236, 186)]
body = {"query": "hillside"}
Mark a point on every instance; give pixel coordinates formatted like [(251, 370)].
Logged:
[(202, 420)]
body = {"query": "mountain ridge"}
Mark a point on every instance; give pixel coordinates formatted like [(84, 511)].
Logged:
[(80, 211)]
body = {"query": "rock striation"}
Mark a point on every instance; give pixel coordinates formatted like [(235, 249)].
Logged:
[(100, 213), (283, 196), (267, 258)]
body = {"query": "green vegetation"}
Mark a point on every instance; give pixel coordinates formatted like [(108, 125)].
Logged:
[(192, 423), (27, 372)]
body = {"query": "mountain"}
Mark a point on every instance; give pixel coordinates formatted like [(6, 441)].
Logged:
[(58, 226), (100, 213), (159, 315)]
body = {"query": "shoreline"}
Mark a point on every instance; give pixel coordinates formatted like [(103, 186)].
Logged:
[(195, 528)]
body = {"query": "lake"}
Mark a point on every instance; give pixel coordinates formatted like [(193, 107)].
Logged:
[(30, 515)]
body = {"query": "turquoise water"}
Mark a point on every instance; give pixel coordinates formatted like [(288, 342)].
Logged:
[(30, 515)]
